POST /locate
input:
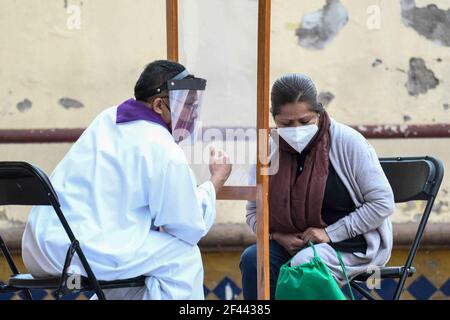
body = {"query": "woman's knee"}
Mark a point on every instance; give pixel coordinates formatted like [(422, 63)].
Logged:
[(248, 259), (303, 256)]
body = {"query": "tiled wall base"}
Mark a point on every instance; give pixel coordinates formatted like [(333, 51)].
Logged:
[(222, 277)]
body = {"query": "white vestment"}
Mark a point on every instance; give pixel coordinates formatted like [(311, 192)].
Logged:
[(117, 185)]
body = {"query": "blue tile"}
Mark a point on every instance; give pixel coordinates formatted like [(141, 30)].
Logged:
[(10, 295), (227, 290), (88, 294), (387, 289), (206, 291), (37, 294), (70, 296), (345, 290), (422, 288), (356, 294), (7, 296), (446, 288)]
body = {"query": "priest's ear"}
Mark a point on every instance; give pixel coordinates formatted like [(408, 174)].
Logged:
[(157, 105), (161, 107)]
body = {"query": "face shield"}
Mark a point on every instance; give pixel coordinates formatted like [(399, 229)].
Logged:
[(185, 99)]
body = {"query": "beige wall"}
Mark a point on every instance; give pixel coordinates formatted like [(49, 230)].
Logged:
[(365, 94), (97, 65), (42, 60)]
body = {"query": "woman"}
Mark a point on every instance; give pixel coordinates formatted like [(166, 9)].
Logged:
[(329, 189)]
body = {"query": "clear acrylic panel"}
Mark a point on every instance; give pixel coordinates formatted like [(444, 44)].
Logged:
[(218, 42)]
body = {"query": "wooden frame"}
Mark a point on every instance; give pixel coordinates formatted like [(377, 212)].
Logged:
[(262, 125), (172, 29)]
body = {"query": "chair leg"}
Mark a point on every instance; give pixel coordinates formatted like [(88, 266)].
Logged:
[(12, 266), (414, 247), (8, 257), (27, 294), (361, 290), (62, 288), (92, 279)]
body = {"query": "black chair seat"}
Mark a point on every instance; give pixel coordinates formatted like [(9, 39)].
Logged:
[(385, 273), (27, 281)]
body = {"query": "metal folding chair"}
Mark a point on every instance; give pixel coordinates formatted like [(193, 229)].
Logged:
[(411, 179), (24, 184)]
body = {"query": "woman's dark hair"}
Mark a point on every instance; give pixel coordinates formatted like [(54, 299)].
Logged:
[(155, 74), (292, 88)]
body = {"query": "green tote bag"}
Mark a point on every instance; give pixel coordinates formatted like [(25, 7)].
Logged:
[(310, 281)]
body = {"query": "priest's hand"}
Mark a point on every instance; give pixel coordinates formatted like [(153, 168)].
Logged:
[(219, 167), (316, 235), (292, 242)]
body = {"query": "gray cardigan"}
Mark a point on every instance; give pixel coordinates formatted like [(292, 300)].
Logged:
[(357, 165)]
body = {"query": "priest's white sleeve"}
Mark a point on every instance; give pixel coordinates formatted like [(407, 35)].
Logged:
[(180, 207)]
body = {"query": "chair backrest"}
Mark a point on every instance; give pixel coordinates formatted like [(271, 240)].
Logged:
[(24, 184), (413, 178)]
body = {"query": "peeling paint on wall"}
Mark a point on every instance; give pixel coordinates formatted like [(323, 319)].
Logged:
[(325, 98), (66, 4), (7, 221), (24, 105), (69, 103), (441, 206), (377, 62), (420, 78), (318, 28), (431, 22)]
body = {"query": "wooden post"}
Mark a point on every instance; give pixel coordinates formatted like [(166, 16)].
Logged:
[(172, 29), (262, 180)]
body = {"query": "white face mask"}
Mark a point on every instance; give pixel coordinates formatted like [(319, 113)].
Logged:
[(298, 137)]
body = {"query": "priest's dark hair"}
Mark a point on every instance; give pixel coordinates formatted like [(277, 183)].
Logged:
[(155, 74)]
